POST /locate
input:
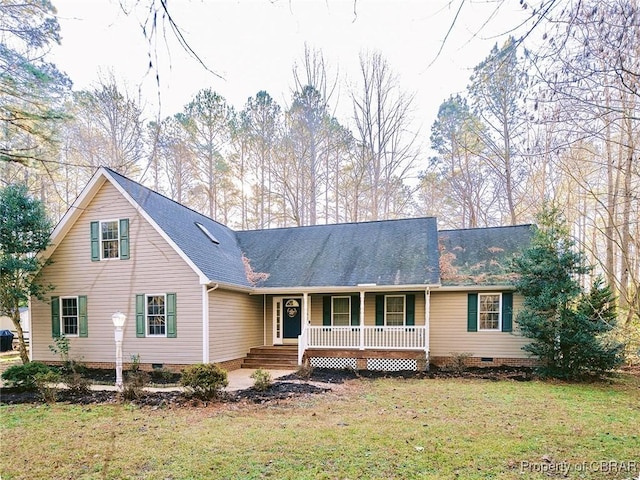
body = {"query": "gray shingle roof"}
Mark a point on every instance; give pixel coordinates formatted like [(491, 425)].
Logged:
[(219, 262), (390, 252), (481, 256)]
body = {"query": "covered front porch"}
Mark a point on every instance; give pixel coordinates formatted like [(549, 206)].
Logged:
[(376, 329)]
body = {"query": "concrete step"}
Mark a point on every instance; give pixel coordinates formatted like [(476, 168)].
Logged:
[(270, 366)]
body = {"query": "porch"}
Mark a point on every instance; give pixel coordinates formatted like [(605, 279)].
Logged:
[(364, 347)]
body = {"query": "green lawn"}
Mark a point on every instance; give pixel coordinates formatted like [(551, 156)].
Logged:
[(386, 428)]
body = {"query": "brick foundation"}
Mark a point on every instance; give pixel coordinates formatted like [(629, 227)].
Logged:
[(487, 362), (147, 367)]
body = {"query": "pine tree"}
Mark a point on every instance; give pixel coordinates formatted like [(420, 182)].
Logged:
[(24, 231), (567, 325)]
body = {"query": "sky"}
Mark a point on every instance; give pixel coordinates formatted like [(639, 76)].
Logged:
[(253, 44)]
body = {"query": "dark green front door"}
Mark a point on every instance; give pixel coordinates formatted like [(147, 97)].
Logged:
[(291, 317)]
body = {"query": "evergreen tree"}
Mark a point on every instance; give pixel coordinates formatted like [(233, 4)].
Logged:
[(24, 231), (567, 325)]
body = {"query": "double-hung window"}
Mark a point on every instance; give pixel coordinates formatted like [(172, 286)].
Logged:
[(156, 315), (490, 312), (489, 317), (69, 316), (394, 310), (110, 240), (341, 311)]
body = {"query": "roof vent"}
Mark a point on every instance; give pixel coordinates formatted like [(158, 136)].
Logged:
[(207, 233)]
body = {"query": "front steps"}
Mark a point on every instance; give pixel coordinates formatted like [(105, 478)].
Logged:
[(279, 357)]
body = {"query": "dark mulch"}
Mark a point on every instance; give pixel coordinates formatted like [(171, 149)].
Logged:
[(291, 386)]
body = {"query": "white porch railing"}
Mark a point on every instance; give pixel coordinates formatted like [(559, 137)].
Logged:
[(356, 337)]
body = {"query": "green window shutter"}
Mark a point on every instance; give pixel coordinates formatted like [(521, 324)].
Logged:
[(124, 239), (507, 311), (55, 317), (95, 241), (326, 310), (140, 314), (172, 322), (83, 321), (355, 310), (411, 309), (379, 309), (472, 312)]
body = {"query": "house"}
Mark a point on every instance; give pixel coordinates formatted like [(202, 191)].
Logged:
[(388, 295)]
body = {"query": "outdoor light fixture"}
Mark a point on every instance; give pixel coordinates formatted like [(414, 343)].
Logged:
[(118, 319)]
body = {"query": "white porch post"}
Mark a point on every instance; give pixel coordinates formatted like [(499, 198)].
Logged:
[(427, 326), (362, 320), (302, 338)]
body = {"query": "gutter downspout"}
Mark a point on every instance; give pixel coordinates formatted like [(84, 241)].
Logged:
[(205, 321)]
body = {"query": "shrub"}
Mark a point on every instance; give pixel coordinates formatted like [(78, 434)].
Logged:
[(161, 375), (205, 380), (76, 383), (458, 362), (24, 376), (262, 380), (46, 385), (305, 371), (134, 383)]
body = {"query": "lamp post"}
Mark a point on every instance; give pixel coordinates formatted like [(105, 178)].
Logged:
[(118, 319)]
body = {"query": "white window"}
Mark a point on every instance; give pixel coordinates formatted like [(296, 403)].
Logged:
[(394, 310), (109, 239), (156, 315), (489, 307), (69, 316), (340, 311)]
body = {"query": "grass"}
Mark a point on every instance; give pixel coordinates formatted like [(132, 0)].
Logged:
[(384, 428)]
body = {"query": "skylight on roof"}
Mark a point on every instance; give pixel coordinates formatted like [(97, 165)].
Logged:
[(207, 233)]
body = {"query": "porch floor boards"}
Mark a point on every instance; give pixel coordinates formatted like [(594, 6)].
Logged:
[(278, 357)]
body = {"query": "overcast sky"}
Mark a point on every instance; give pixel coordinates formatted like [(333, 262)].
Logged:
[(253, 44)]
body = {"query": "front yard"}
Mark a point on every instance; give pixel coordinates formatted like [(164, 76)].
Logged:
[(363, 428)]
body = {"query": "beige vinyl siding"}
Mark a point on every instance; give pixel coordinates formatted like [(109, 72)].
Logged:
[(449, 330), (236, 323), (111, 285), (369, 307)]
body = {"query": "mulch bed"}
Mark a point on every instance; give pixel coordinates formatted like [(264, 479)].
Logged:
[(291, 386)]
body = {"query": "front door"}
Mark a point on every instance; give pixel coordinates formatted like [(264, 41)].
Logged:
[(291, 318)]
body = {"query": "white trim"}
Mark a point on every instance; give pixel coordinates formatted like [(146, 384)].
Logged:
[(29, 306), (62, 332), (427, 322), (277, 303), (146, 315), (404, 310), (205, 321), (476, 288), (297, 291), (499, 329), (100, 240), (362, 296)]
